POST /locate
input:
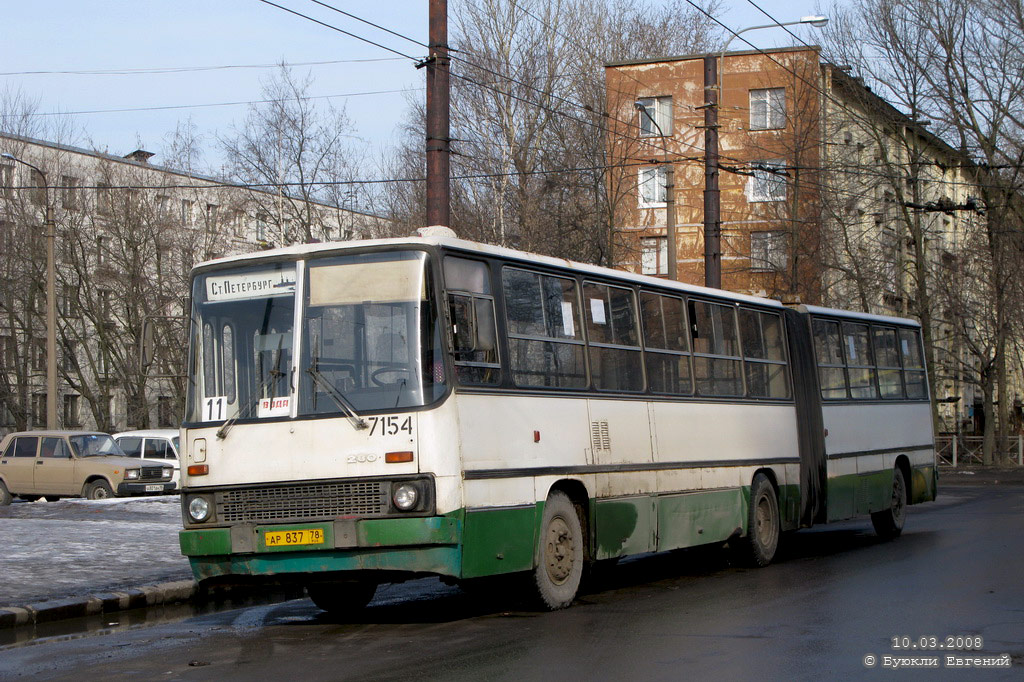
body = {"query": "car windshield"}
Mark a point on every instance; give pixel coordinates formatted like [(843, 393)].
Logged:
[(94, 445)]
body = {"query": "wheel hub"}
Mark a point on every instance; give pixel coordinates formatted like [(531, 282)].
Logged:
[(559, 551)]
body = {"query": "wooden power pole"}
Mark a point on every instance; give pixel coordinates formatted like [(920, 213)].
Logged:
[(438, 126)]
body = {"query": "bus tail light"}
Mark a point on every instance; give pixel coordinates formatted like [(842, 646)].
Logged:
[(198, 469), (398, 457)]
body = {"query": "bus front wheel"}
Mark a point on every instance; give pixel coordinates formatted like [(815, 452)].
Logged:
[(758, 547), (888, 523), (560, 553), (341, 598)]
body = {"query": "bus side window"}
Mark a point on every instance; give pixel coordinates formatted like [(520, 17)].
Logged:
[(667, 344), (473, 327), (717, 366), (544, 337), (859, 362), (913, 364), (764, 354), (829, 352), (887, 358), (615, 363)]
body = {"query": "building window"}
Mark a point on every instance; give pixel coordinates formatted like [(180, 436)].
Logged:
[(186, 212), (768, 251), (101, 250), (768, 182), (38, 410), (103, 295), (69, 301), (38, 193), (71, 418), (7, 179), (165, 410), (654, 256), (652, 186), (211, 214), (69, 193), (261, 227), (104, 200), (69, 361), (768, 109), (654, 116)]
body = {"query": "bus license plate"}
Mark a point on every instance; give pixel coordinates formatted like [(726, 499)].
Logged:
[(282, 538), (154, 488)]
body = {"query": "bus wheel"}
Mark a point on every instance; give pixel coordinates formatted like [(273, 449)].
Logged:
[(888, 523), (758, 547), (560, 553), (98, 490), (341, 598)]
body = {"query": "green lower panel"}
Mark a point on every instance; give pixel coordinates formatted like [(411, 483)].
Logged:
[(625, 526), (699, 518), (858, 494), (789, 506), (439, 560), (499, 541)]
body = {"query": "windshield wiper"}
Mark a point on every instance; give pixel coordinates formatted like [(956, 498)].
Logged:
[(335, 395)]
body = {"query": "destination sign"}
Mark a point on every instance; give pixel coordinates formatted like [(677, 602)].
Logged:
[(245, 285)]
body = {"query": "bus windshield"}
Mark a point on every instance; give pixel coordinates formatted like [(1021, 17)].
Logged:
[(369, 339)]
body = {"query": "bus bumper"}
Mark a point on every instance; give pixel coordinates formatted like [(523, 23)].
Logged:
[(413, 545)]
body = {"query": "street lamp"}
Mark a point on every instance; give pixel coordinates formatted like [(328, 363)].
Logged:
[(712, 198), (51, 298), (670, 200)]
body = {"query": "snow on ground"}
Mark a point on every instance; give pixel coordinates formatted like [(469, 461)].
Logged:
[(72, 548)]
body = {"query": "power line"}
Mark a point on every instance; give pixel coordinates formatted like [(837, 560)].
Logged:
[(189, 69), (370, 23), (203, 106), (340, 30)]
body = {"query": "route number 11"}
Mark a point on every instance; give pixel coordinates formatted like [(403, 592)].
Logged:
[(215, 409)]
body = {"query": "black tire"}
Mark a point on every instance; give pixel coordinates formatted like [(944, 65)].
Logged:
[(758, 546), (98, 490), (5, 495), (342, 598), (888, 523), (560, 553)]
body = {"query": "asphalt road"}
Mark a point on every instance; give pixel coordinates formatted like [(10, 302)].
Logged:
[(835, 595)]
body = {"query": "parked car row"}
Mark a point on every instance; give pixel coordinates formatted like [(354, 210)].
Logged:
[(55, 464)]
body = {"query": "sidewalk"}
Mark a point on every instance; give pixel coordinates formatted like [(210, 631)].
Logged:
[(979, 475)]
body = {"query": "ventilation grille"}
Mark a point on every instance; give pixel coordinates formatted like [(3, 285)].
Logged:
[(303, 502), (599, 438)]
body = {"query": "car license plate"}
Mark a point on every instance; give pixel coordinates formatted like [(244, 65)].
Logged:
[(282, 538), (154, 488)]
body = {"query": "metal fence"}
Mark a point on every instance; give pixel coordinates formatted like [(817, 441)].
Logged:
[(966, 450)]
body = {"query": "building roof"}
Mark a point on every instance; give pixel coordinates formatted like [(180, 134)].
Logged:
[(701, 55), (139, 159)]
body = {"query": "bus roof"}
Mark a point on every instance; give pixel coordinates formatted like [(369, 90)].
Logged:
[(465, 245)]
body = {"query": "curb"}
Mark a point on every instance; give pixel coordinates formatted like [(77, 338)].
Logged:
[(106, 602)]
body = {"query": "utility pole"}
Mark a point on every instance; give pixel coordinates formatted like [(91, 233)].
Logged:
[(438, 126), (712, 197)]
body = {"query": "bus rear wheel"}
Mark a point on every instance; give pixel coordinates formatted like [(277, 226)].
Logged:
[(560, 555), (888, 523), (341, 598), (757, 547)]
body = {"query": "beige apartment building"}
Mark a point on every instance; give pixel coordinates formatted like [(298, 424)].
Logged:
[(127, 233)]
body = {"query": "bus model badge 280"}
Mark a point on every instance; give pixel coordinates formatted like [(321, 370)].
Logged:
[(370, 411)]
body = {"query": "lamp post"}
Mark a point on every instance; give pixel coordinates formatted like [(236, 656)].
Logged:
[(670, 199), (712, 198), (51, 298)]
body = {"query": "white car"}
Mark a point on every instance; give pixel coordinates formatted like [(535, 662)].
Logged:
[(153, 445)]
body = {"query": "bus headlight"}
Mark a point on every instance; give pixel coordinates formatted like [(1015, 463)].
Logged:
[(199, 509), (131, 474), (405, 496)]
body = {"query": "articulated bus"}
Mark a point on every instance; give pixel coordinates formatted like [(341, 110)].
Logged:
[(367, 412)]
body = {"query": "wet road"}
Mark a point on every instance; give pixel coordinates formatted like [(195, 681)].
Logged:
[(835, 595)]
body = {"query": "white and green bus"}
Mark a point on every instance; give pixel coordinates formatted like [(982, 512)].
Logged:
[(366, 412)]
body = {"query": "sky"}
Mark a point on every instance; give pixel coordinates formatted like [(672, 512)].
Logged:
[(123, 35)]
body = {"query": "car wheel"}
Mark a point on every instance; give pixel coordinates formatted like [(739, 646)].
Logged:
[(757, 547), (888, 523), (5, 495), (98, 490), (560, 553)]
